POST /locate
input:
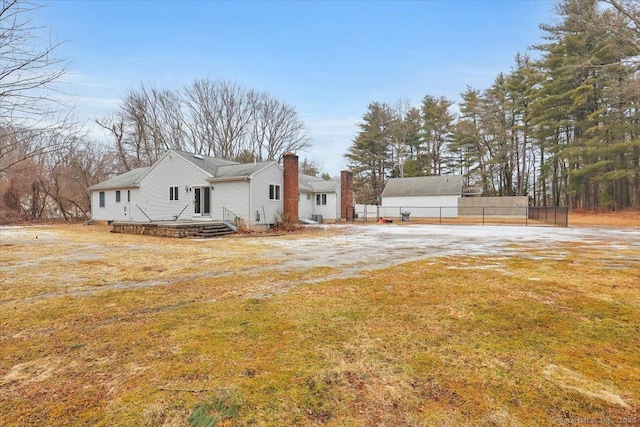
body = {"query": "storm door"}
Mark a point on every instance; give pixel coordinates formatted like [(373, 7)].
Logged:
[(202, 201)]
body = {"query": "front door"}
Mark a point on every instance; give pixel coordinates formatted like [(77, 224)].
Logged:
[(202, 201)]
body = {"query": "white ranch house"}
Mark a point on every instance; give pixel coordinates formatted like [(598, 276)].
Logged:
[(187, 186)]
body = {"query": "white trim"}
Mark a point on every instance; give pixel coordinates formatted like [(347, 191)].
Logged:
[(277, 193)]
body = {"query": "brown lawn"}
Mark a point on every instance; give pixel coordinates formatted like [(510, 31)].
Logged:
[(104, 329), (627, 218)]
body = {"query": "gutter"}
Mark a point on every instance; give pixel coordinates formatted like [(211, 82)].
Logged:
[(123, 187), (230, 179)]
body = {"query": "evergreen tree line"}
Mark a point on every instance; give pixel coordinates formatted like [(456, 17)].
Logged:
[(563, 129)]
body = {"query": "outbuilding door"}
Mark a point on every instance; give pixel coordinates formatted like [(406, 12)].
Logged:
[(202, 201)]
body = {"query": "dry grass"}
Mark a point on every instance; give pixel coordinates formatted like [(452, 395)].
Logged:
[(626, 218), (463, 341)]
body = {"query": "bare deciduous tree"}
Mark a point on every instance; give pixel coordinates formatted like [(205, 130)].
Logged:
[(29, 73), (148, 122), (214, 118), (28, 68), (310, 167), (68, 175), (277, 129)]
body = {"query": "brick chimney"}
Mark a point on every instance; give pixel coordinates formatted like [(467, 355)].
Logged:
[(290, 191), (346, 195)]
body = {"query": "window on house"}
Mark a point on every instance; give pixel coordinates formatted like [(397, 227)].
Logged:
[(173, 193), (308, 196), (274, 192), (117, 196), (321, 199), (128, 195), (102, 199)]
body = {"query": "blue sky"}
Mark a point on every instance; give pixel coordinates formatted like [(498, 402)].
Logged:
[(327, 59)]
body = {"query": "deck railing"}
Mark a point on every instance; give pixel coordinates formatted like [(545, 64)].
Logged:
[(231, 219)]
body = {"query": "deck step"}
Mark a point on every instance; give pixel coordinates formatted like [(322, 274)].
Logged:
[(214, 230)]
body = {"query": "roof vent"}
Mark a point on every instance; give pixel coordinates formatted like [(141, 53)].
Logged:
[(198, 156)]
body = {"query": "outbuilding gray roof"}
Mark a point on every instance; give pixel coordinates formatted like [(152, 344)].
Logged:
[(126, 180), (447, 185)]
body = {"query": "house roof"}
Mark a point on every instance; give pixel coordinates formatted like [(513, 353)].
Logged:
[(126, 180), (206, 163), (240, 169), (313, 184), (424, 186), (218, 170)]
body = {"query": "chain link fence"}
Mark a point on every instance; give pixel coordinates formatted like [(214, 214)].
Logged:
[(514, 215)]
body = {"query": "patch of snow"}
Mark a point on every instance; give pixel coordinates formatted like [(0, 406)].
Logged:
[(358, 248)]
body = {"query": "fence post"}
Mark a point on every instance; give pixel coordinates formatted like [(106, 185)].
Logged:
[(526, 216), (440, 208), (483, 215)]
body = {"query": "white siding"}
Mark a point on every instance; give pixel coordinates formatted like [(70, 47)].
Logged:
[(244, 198), (270, 210), (330, 211), (112, 210), (233, 195), (305, 207), (170, 171), (421, 206), (115, 211), (335, 205)]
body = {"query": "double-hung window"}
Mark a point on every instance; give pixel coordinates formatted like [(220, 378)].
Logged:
[(274, 192), (117, 196), (102, 203), (173, 193)]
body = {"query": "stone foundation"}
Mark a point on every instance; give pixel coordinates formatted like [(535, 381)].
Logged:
[(160, 230)]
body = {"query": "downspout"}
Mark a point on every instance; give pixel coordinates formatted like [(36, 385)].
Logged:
[(250, 217)]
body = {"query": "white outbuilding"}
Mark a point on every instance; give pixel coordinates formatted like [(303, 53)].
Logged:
[(422, 197)]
